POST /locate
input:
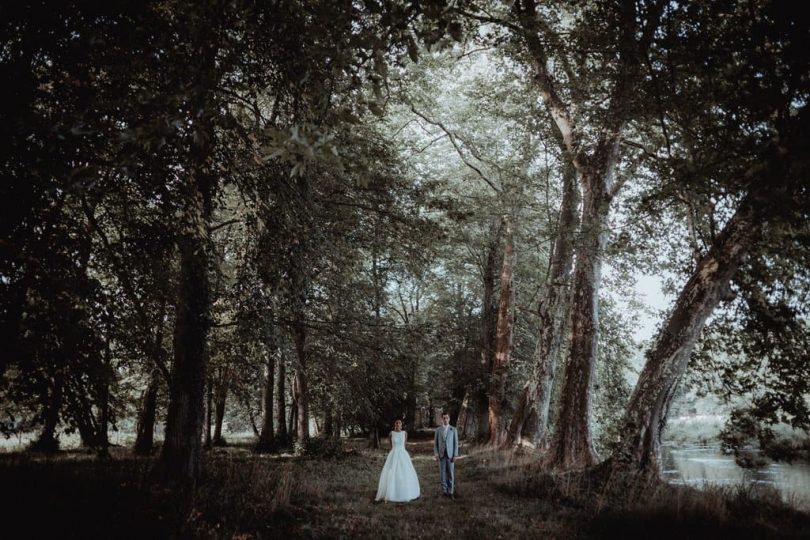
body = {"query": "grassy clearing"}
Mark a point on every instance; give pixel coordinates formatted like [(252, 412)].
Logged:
[(243, 495)]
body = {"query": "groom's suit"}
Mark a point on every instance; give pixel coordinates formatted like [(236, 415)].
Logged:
[(445, 447)]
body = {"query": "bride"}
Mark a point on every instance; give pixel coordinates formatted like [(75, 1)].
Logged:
[(398, 481)]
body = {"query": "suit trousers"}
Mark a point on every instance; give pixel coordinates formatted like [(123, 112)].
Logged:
[(447, 474)]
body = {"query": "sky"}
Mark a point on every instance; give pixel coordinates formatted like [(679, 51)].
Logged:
[(649, 289)]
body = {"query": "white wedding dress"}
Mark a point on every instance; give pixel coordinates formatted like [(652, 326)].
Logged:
[(398, 481)]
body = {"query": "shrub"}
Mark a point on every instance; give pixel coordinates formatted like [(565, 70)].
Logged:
[(320, 447)]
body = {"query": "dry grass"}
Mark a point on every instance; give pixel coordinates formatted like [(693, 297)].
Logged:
[(500, 495)]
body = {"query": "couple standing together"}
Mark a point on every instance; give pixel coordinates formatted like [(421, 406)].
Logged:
[(398, 480)]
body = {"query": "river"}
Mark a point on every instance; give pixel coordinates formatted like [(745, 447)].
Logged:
[(702, 465)]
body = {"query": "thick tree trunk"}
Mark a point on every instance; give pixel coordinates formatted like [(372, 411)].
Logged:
[(487, 340), (646, 414), (572, 443), (266, 437), (554, 312), (503, 346), (145, 438), (281, 407), (180, 455)]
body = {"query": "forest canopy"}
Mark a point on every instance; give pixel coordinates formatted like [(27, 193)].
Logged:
[(307, 219)]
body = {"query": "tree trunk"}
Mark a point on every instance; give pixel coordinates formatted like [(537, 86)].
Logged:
[(293, 418), (47, 441), (102, 435), (281, 408), (80, 411), (209, 413), (219, 414), (554, 312), (503, 346), (253, 426), (522, 411), (266, 437), (181, 449), (410, 413), (300, 384), (646, 413), (572, 443), (464, 414), (487, 340), (374, 438), (180, 456), (145, 438), (328, 425)]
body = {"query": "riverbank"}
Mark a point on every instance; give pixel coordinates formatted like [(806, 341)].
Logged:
[(243, 495)]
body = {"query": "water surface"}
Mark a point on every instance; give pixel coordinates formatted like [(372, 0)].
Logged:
[(702, 465)]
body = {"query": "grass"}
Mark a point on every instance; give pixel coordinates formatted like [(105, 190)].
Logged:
[(243, 495)]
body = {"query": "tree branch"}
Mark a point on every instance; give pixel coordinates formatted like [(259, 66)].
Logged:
[(452, 137)]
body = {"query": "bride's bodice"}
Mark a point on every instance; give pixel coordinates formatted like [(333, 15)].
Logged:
[(397, 439)]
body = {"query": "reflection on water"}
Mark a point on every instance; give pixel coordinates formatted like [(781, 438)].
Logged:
[(699, 465)]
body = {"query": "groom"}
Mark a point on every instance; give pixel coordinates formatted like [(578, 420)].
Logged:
[(445, 451)]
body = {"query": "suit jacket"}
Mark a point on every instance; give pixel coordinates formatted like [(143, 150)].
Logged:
[(445, 446)]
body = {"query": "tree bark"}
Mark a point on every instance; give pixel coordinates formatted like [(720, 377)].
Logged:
[(554, 312), (293, 418), (374, 438), (328, 424), (281, 408), (266, 437), (47, 441), (410, 414), (300, 384), (463, 414), (522, 411), (181, 449), (219, 413), (572, 443), (503, 346), (102, 435), (647, 411), (487, 340), (209, 414), (145, 438), (180, 455)]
